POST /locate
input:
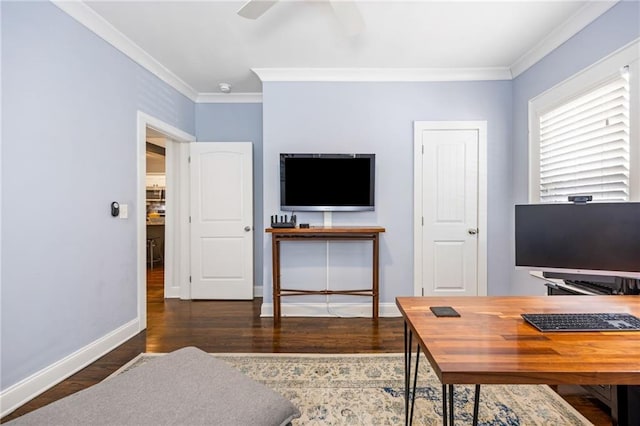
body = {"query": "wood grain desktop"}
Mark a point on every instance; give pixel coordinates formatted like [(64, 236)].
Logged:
[(491, 343)]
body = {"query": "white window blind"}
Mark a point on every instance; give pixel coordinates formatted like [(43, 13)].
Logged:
[(584, 145)]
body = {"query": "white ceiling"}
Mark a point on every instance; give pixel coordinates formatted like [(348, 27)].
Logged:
[(204, 43)]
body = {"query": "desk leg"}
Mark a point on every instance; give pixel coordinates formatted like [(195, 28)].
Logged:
[(476, 403), (451, 414), (375, 273), (447, 396), (444, 405), (415, 381), (409, 391), (407, 371), (275, 267)]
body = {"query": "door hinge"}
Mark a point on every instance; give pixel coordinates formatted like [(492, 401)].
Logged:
[(189, 159), (422, 220), (422, 291), (189, 219), (422, 149), (189, 278)]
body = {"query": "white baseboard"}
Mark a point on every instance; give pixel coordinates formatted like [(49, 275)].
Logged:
[(25, 390), (339, 310), (257, 291), (172, 293)]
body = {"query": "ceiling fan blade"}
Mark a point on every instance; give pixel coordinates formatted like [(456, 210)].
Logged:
[(253, 9), (348, 14)]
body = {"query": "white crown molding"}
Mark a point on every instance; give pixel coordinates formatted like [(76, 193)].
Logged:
[(229, 98), (96, 23), (381, 74), (583, 17)]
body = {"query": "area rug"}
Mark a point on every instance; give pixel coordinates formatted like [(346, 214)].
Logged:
[(369, 390)]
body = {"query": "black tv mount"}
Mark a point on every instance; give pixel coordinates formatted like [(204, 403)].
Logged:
[(580, 199)]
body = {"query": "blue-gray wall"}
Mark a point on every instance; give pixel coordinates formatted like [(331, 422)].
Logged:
[(378, 118), (69, 103), (239, 122), (613, 30)]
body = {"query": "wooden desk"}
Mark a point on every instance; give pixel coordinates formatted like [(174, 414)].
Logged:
[(367, 233), (491, 344)]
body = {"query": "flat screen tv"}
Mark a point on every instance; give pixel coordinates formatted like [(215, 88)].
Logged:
[(327, 182), (593, 238)]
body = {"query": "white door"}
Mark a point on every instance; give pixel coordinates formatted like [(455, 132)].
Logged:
[(447, 182), (221, 220)]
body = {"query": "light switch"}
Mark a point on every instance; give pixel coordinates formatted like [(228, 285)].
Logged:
[(124, 211)]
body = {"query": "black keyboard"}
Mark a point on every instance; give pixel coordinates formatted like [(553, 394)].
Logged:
[(583, 322)]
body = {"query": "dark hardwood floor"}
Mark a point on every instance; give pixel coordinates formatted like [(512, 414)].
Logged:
[(236, 326)]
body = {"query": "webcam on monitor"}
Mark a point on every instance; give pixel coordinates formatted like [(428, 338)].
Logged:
[(580, 199)]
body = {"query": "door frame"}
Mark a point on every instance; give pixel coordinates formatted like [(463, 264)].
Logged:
[(419, 127), (175, 229)]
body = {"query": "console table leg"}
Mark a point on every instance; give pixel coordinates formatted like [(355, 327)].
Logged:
[(275, 253), (376, 277)]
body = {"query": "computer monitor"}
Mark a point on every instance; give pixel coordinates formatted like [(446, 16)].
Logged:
[(592, 238)]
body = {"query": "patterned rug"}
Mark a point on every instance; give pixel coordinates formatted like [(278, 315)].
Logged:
[(369, 390)]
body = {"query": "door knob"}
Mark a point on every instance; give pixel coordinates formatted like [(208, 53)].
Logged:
[(473, 231), (247, 228)]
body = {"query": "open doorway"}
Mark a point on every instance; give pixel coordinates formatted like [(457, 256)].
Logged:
[(175, 272), (156, 207)]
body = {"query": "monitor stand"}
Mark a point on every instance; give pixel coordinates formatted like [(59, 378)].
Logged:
[(327, 219)]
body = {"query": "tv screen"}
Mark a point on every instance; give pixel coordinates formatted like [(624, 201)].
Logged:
[(327, 182), (597, 238)]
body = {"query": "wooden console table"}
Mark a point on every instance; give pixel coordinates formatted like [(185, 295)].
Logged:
[(334, 233)]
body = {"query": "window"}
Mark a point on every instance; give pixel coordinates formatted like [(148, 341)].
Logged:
[(584, 134), (584, 145)]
